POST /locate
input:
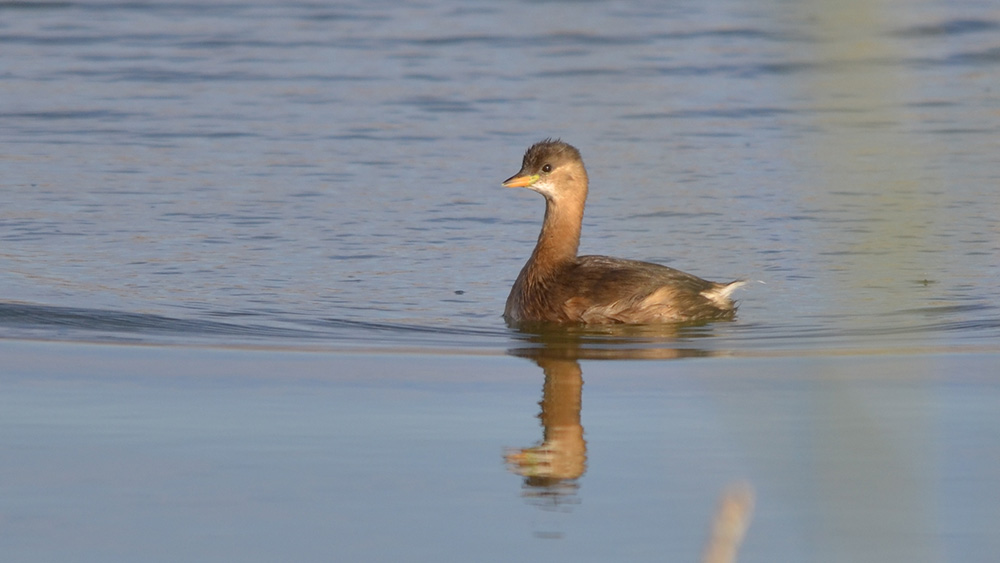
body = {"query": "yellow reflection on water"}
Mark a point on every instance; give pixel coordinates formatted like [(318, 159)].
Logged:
[(869, 161), (871, 171)]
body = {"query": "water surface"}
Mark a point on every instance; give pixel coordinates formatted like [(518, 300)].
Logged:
[(243, 171), (118, 453), (253, 258)]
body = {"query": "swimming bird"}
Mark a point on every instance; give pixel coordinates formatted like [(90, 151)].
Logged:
[(557, 286)]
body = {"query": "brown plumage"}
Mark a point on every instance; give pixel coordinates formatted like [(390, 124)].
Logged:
[(558, 286)]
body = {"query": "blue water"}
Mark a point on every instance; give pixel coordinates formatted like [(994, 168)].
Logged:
[(239, 172), (122, 453), (253, 258)]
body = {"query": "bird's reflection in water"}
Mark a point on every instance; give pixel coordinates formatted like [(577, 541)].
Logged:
[(553, 467)]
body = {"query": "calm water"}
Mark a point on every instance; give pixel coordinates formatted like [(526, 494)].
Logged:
[(266, 179)]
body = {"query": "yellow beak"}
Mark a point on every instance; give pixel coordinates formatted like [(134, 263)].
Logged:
[(520, 181)]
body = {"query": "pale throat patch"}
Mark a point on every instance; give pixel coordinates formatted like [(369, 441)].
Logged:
[(545, 187)]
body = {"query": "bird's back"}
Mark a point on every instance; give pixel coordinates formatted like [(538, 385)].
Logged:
[(602, 290)]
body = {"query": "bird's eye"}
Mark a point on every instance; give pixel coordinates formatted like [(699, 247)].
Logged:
[(547, 168)]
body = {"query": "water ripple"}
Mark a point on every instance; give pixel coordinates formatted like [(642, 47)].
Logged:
[(948, 28)]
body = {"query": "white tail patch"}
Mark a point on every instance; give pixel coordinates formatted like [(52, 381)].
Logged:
[(720, 295)]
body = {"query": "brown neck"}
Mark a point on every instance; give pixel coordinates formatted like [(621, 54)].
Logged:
[(560, 236)]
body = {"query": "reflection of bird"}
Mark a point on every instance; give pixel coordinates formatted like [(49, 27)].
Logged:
[(556, 285), (551, 467)]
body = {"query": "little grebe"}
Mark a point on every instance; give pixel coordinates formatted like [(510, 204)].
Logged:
[(558, 286)]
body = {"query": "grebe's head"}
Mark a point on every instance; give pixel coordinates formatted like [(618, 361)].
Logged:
[(552, 168)]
